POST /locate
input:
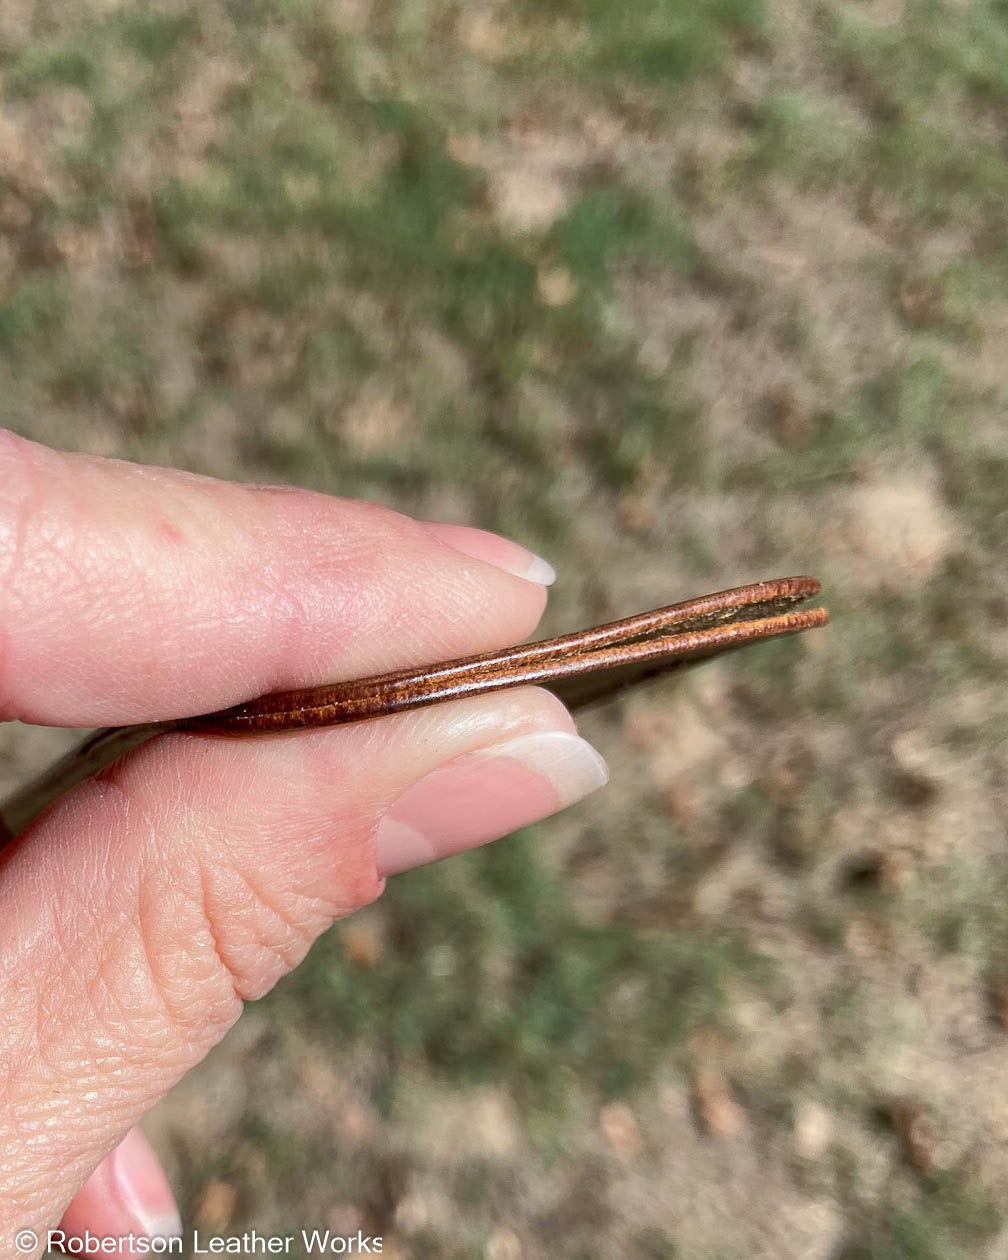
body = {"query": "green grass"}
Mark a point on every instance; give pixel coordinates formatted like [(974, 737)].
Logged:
[(32, 313), (507, 971), (656, 41), (946, 1220), (898, 74), (808, 135), (262, 241), (617, 226)]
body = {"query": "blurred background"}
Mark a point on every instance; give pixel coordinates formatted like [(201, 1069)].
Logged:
[(681, 294)]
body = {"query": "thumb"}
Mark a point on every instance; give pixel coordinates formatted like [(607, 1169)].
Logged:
[(142, 909), (128, 1193)]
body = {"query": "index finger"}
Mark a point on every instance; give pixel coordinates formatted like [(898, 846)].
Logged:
[(133, 594)]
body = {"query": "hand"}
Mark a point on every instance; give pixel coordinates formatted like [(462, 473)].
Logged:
[(141, 911)]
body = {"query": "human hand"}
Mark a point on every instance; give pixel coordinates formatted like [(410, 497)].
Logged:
[(145, 907)]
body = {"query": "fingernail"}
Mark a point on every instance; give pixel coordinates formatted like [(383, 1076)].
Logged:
[(139, 1183), (493, 549), (486, 794)]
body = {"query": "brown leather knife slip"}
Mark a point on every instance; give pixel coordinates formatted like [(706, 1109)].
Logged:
[(579, 668)]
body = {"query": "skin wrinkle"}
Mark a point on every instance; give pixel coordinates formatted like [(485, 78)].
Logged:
[(289, 919), (210, 922), (160, 881), (160, 917), (90, 922), (151, 957), (223, 907), (190, 1011), (291, 611), (354, 875), (280, 952)]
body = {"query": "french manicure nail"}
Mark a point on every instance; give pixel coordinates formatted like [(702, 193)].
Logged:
[(494, 549), (483, 795), (139, 1183)]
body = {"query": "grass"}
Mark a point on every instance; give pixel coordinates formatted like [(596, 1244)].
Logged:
[(807, 134), (944, 1221), (268, 240), (657, 41), (916, 149), (510, 971)]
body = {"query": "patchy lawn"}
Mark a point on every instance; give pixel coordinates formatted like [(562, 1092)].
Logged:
[(682, 296)]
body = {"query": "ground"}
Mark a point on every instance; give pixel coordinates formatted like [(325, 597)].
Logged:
[(682, 295)]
